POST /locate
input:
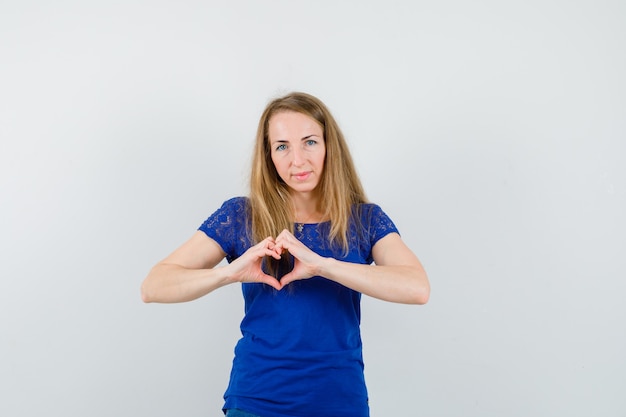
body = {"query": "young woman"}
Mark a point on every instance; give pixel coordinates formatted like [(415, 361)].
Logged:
[(305, 244)]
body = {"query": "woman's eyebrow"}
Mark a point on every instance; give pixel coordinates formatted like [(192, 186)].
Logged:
[(287, 141)]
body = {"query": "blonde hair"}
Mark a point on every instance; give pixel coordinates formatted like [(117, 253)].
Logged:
[(270, 202)]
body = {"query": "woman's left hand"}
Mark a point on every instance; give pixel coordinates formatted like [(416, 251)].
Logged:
[(397, 275), (306, 262)]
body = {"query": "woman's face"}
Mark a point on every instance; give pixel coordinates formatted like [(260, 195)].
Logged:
[(298, 150)]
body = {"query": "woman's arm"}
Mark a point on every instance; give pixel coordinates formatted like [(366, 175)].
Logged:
[(190, 272), (397, 276)]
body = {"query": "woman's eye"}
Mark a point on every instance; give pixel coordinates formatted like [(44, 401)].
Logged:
[(311, 142), (281, 147)]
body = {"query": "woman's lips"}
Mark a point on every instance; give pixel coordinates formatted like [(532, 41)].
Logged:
[(302, 176)]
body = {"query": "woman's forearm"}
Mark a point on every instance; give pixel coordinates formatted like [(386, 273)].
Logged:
[(170, 283), (396, 283)]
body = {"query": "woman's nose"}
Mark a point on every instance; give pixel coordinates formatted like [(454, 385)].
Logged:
[(298, 157)]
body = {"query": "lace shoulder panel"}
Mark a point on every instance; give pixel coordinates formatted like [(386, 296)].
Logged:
[(377, 222), (229, 227)]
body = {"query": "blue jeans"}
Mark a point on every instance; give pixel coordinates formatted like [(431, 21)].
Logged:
[(233, 412)]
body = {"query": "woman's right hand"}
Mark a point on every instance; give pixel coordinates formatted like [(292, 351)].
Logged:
[(191, 271), (247, 268)]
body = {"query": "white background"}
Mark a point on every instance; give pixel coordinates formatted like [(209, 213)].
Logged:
[(492, 132)]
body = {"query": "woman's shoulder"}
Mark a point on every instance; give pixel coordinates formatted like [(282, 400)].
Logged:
[(366, 209), (234, 206), (368, 205), (372, 215), (238, 201)]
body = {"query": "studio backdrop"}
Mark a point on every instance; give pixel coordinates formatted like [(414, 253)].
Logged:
[(493, 134)]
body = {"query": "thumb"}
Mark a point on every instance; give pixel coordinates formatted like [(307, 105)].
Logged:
[(287, 279), (271, 281)]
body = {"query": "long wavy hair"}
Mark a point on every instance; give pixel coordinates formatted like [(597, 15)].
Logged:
[(271, 208)]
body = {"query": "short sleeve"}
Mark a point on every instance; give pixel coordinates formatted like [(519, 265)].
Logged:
[(228, 227), (372, 225), (380, 225)]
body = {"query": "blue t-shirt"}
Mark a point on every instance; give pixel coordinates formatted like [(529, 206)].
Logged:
[(300, 354)]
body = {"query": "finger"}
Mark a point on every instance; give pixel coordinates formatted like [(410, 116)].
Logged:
[(285, 235), (268, 242), (267, 247), (284, 244), (279, 248), (273, 253)]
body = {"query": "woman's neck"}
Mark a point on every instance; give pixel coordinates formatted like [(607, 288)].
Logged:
[(306, 209)]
